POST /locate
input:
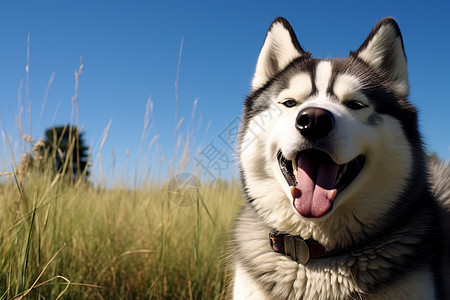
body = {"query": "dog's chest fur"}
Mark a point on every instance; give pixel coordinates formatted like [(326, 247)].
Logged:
[(330, 152), (264, 274)]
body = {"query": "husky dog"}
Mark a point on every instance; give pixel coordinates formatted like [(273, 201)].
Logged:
[(342, 202)]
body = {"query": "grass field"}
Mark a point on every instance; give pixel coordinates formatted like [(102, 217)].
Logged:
[(66, 239), (74, 241)]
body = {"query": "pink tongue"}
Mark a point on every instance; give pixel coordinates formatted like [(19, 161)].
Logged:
[(314, 192)]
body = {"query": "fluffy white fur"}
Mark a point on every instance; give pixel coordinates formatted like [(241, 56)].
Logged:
[(277, 45), (300, 88), (384, 145), (323, 75), (322, 279), (385, 40), (368, 198)]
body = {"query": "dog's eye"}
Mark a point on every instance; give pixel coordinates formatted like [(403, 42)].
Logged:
[(289, 103), (354, 104)]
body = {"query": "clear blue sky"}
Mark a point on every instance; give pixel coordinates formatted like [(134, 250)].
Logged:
[(130, 52)]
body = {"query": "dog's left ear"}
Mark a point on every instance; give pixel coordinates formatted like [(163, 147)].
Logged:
[(383, 51), (280, 48)]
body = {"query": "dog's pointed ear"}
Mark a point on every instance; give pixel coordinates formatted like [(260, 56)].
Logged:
[(280, 48), (383, 51)]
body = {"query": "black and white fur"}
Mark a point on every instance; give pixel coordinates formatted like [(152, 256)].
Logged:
[(387, 222)]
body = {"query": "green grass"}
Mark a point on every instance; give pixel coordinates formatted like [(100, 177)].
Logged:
[(69, 239), (79, 242)]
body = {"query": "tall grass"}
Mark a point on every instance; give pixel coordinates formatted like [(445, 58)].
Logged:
[(66, 239), (115, 243)]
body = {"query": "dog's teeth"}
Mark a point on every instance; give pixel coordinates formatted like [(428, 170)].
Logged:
[(341, 173), (338, 179), (331, 195), (296, 174), (296, 193)]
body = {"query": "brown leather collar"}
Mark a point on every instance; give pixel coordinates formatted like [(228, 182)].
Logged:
[(297, 248)]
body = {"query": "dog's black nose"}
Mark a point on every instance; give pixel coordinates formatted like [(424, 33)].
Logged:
[(314, 123)]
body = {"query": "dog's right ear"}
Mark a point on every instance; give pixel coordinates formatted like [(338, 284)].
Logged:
[(280, 48), (383, 50)]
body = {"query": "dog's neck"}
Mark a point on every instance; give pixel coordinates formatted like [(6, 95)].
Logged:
[(298, 249)]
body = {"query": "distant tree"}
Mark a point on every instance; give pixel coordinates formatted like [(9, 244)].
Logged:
[(66, 148)]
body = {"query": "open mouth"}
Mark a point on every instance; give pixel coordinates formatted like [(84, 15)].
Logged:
[(315, 180)]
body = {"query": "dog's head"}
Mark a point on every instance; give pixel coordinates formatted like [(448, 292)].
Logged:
[(326, 143)]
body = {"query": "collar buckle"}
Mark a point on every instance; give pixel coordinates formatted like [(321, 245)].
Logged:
[(298, 249)]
